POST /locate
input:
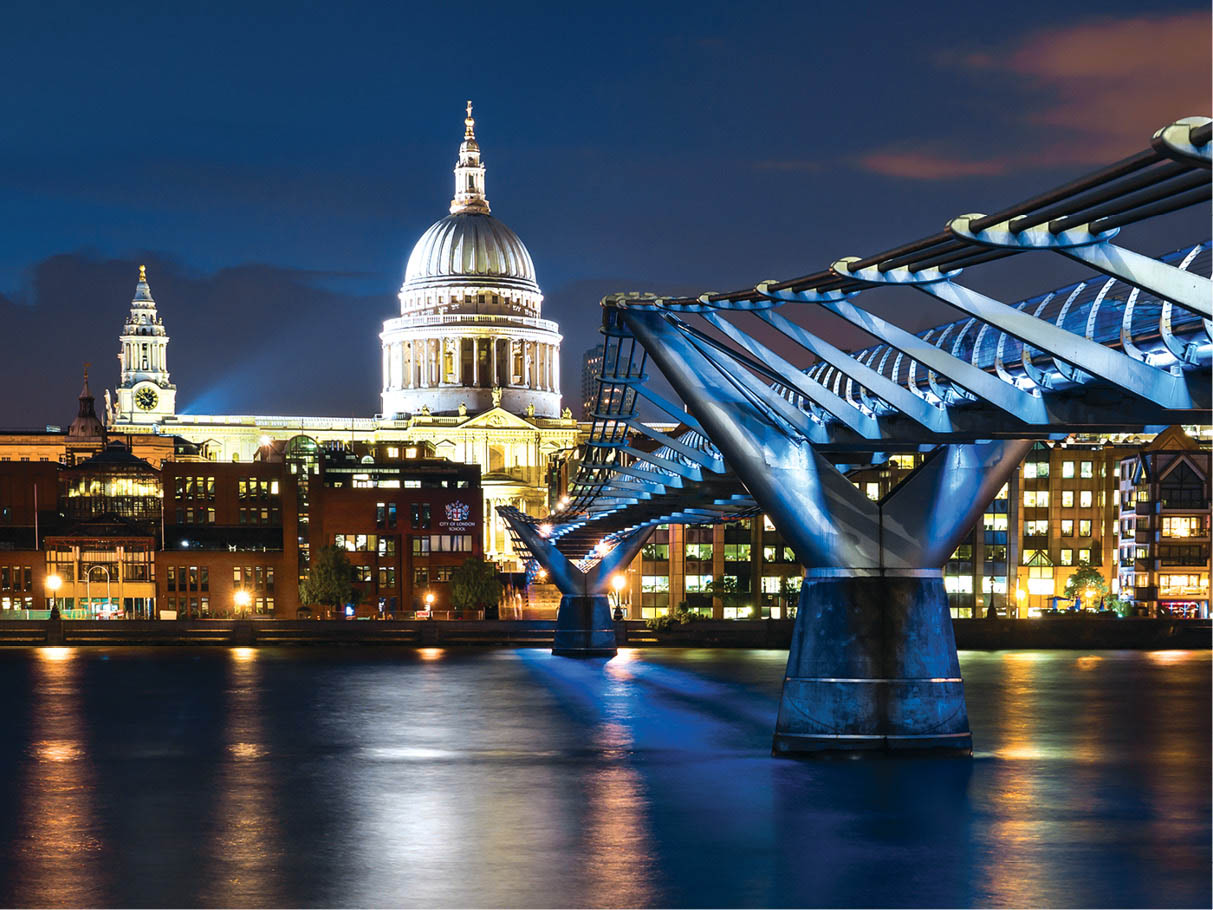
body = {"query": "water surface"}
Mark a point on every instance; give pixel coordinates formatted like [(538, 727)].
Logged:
[(367, 777)]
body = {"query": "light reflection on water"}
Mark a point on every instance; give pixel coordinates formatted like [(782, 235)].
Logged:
[(447, 777)]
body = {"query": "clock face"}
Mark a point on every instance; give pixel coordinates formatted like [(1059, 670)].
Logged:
[(146, 398)]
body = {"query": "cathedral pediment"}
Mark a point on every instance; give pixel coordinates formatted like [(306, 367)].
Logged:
[(497, 419)]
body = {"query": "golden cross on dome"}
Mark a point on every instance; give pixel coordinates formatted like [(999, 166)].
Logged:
[(143, 273)]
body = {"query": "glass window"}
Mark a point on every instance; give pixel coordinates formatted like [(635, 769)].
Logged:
[(1084, 556), (1086, 499), (1067, 469), (1067, 557), (1067, 498), (654, 583), (1086, 469), (1067, 527), (1084, 528)]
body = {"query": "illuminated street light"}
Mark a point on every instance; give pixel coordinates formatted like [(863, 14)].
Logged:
[(618, 582), (243, 599), (53, 583), (545, 529)]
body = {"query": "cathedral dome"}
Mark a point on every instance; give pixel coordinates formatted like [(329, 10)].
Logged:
[(469, 244)]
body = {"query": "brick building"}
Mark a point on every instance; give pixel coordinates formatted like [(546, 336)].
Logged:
[(1164, 555)]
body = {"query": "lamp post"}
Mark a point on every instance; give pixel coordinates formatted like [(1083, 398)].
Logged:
[(53, 583), (618, 583), (429, 603), (243, 599), (1021, 596)]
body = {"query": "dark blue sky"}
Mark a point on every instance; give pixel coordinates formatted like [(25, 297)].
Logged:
[(273, 164)]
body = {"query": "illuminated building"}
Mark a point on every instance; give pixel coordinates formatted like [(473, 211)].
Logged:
[(1164, 555), (469, 333), (470, 368)]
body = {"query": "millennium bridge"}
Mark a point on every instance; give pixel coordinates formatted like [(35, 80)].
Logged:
[(772, 416)]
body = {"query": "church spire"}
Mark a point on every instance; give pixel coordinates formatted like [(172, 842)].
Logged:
[(469, 173), (86, 425)]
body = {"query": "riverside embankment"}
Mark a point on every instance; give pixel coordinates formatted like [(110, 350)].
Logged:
[(975, 635)]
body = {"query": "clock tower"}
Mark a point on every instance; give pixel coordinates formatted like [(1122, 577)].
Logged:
[(144, 393)]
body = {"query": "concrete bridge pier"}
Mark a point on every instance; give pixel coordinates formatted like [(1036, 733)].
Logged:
[(872, 667), (584, 626)]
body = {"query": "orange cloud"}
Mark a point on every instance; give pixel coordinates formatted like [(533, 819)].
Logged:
[(1092, 93)]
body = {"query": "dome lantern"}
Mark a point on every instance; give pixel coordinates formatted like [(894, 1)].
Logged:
[(469, 173)]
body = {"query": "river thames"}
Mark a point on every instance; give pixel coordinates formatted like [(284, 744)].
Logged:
[(317, 777)]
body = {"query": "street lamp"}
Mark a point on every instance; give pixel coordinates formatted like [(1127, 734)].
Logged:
[(243, 599), (53, 583), (618, 583), (1022, 596)]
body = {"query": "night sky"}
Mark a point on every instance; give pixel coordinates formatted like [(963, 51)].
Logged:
[(274, 164)]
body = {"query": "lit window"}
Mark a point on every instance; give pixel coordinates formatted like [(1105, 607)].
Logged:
[(1067, 498), (1067, 469), (1086, 499)]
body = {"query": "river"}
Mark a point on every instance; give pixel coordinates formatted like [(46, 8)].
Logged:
[(510, 778)]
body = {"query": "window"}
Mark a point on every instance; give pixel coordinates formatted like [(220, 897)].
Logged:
[(1067, 469), (1036, 498), (872, 490), (1181, 525), (698, 584), (737, 552), (994, 521), (421, 577), (904, 462), (1067, 527), (1067, 558), (654, 583), (450, 543), (1086, 499), (1084, 528), (387, 546), (421, 515), (1084, 556), (699, 551), (1036, 528), (655, 551), (1086, 469), (421, 546), (1034, 469), (1067, 498), (391, 516), (958, 584)]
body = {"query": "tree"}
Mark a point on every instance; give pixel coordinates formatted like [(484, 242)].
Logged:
[(330, 580), (1086, 583), (475, 584), (728, 590)]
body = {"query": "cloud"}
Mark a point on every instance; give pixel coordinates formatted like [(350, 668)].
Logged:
[(1084, 95), (253, 338), (929, 166)]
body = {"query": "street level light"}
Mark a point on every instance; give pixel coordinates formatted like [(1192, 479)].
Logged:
[(53, 583), (243, 599)]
